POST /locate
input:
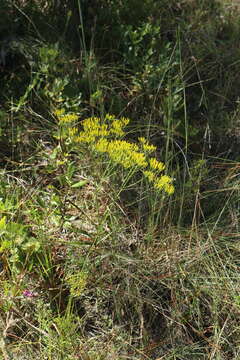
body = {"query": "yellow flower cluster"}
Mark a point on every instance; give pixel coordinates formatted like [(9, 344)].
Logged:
[(149, 175), (68, 118), (65, 118), (148, 148), (156, 165), (66, 124), (102, 135), (102, 145), (126, 154), (59, 112), (164, 183), (122, 152), (72, 132), (94, 128)]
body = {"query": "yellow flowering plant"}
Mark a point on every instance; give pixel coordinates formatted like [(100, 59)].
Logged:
[(66, 125), (105, 136)]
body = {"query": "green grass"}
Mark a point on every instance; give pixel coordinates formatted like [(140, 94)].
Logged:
[(95, 261)]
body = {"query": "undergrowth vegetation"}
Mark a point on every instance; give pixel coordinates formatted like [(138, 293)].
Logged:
[(119, 180)]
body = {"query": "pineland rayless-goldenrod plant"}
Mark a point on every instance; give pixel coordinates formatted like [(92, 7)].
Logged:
[(105, 136)]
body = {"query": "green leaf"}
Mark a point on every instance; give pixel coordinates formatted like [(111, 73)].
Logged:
[(79, 184), (5, 245), (3, 223)]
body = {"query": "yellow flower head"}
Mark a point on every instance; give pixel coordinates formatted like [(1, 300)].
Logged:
[(102, 145), (126, 154), (156, 165), (59, 112), (148, 148), (164, 183), (149, 175), (169, 189), (72, 131), (67, 118)]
